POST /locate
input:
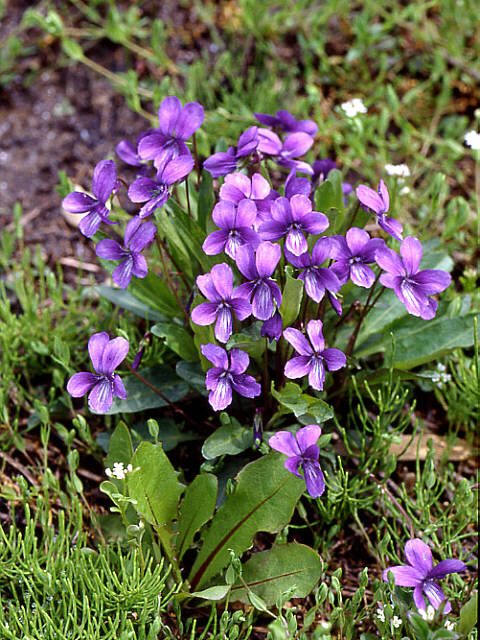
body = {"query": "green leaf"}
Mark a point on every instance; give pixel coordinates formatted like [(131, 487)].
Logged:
[(420, 627), (419, 341), (255, 347), (191, 236), (202, 335), (230, 439), (217, 592), (282, 568), (325, 197), (141, 397), (72, 49), (468, 615), (306, 408), (153, 291), (206, 200), (263, 500), (193, 375), (196, 509), (177, 339), (120, 448), (125, 300), (291, 299), (154, 485)]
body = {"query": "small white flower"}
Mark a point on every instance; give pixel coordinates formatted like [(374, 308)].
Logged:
[(449, 625), (429, 614), (441, 367), (118, 470), (353, 107), (380, 614), (129, 468), (404, 190), (400, 170), (472, 139), (396, 622), (108, 472)]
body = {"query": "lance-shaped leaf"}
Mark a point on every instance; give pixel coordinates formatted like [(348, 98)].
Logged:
[(263, 500), (196, 509), (206, 200), (284, 567), (418, 342), (153, 483), (120, 448), (125, 300), (177, 339), (291, 299), (229, 439)]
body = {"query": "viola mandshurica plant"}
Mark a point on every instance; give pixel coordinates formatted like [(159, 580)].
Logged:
[(258, 277)]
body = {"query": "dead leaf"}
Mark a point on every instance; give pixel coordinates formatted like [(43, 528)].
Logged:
[(461, 450)]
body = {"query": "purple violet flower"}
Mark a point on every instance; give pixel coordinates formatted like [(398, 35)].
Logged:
[(137, 237), (104, 182), (258, 267), (105, 355), (225, 375), (287, 122), (272, 328), (353, 252), (317, 279), (129, 154), (155, 192), (235, 228), (238, 187), (312, 358), (378, 202), (292, 218), (177, 124), (217, 287), (284, 154), (223, 162), (411, 286), (421, 574), (294, 185), (302, 450)]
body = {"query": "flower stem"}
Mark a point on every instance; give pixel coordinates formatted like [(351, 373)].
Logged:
[(172, 288), (367, 308)]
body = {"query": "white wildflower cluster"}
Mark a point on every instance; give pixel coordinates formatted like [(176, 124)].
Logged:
[(380, 613), (440, 377), (449, 625), (427, 614), (396, 622), (119, 470), (353, 107), (472, 140), (398, 170)]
